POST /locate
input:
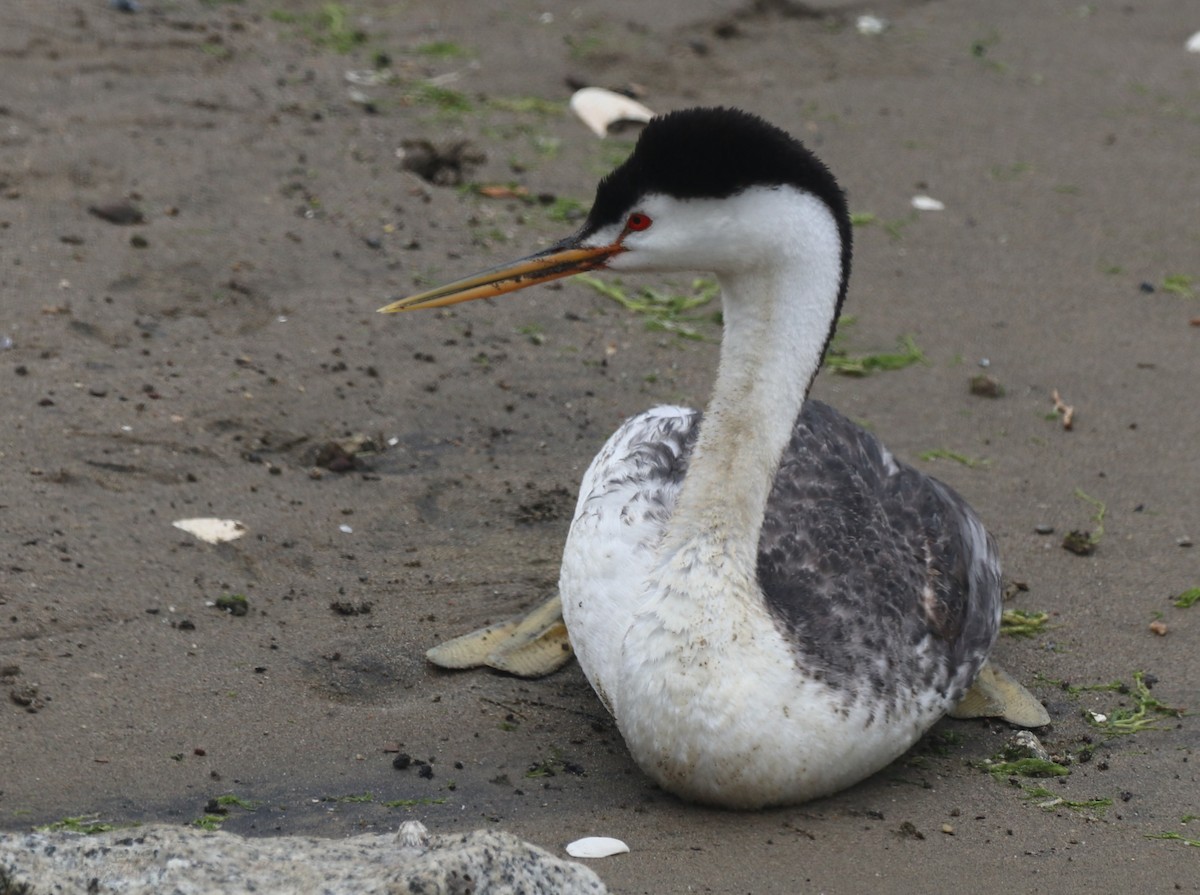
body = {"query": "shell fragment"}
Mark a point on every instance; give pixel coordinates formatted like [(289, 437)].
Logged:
[(871, 25), (600, 109), (212, 531), (927, 203), (597, 847)]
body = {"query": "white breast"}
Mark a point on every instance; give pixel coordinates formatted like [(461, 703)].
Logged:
[(626, 498), (703, 684)]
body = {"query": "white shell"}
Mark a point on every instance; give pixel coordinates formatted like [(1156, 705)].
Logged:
[(597, 847), (927, 203), (871, 25), (1193, 43), (599, 109), (212, 531)]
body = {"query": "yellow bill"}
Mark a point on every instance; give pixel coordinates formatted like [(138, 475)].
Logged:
[(562, 260)]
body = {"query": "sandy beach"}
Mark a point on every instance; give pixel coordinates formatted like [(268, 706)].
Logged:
[(202, 204)]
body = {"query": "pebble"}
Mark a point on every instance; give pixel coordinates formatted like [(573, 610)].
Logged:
[(131, 861), (1044, 529), (122, 213), (1024, 744)]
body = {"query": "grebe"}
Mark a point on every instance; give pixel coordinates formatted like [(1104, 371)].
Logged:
[(771, 606)]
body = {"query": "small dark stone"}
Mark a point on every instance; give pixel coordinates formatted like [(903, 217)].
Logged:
[(346, 608), (1044, 529), (402, 761), (986, 386), (426, 772), (123, 213)]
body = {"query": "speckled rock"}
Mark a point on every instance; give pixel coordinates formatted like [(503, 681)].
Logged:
[(171, 860)]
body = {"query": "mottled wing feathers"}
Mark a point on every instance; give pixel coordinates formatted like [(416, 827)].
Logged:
[(882, 577), (646, 459)]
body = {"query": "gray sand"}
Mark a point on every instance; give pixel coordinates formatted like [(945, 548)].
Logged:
[(201, 362)]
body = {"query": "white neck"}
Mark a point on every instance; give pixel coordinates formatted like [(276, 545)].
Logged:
[(778, 313)]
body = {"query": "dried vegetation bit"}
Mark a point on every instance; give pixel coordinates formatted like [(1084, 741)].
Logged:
[(907, 354), (1066, 411), (1023, 622), (1028, 767), (1147, 709), (1049, 801), (1188, 598)]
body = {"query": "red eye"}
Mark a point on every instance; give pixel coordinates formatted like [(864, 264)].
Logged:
[(638, 221)]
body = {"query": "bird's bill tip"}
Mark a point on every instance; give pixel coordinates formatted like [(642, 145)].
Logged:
[(563, 260)]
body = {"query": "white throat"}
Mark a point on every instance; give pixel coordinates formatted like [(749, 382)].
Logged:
[(778, 307)]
